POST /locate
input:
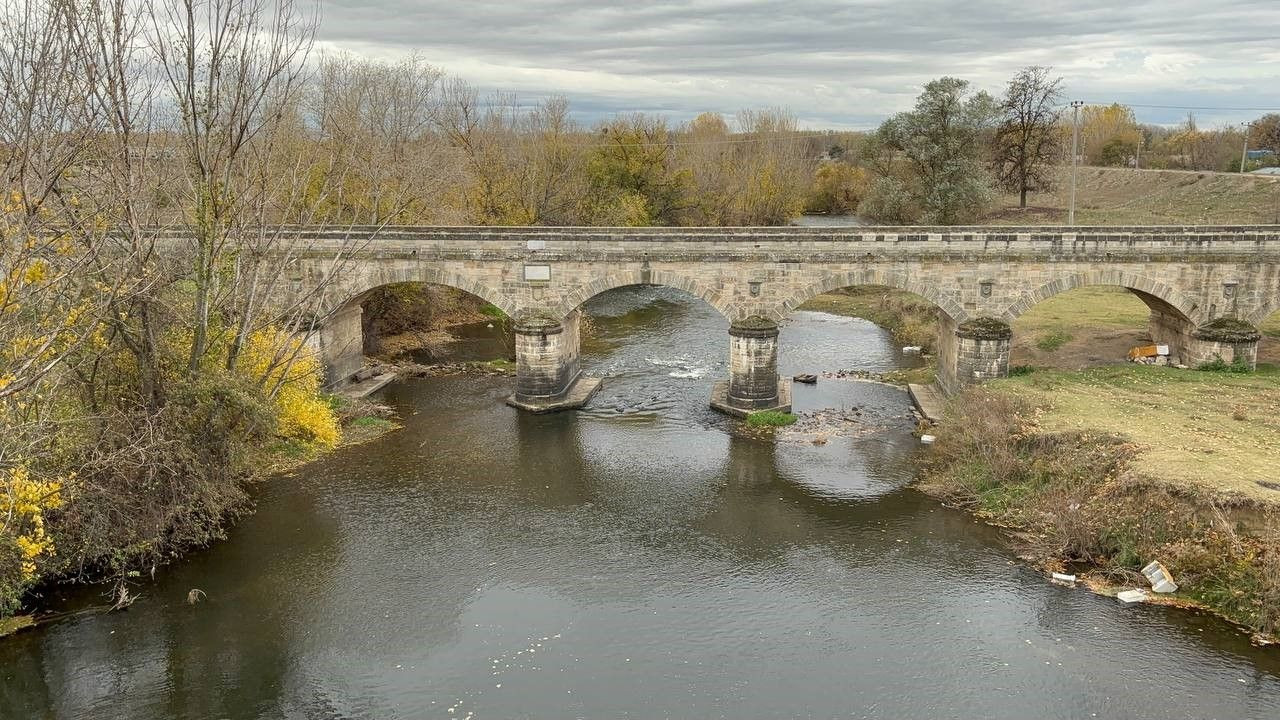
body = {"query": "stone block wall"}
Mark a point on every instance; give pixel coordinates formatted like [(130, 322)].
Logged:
[(1188, 275), (753, 364), (972, 352), (1199, 352), (340, 343), (547, 359)]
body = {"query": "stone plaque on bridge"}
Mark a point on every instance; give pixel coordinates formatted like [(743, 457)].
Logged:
[(537, 273)]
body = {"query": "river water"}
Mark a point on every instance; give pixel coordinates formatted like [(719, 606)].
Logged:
[(642, 558)]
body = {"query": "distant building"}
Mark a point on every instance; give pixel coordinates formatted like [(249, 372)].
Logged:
[(1261, 154)]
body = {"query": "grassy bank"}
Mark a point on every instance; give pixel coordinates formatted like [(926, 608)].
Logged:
[(360, 421), (911, 318), (1105, 470), (1122, 196), (1086, 327)]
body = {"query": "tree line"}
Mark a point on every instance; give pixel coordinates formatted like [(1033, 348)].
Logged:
[(947, 159), (152, 353)]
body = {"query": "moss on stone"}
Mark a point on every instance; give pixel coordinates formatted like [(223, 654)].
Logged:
[(1228, 330), (536, 322), (985, 328), (755, 322)]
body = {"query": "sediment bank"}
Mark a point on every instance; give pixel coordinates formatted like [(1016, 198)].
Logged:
[(1076, 494)]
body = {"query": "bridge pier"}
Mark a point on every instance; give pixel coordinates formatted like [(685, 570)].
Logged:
[(1230, 339), (548, 370), (753, 383), (971, 352), (341, 344)]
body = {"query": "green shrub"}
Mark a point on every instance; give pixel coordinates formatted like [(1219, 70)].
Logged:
[(1217, 364), (1052, 341), (771, 418)]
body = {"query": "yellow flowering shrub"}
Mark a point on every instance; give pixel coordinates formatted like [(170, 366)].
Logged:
[(23, 503), (302, 412)]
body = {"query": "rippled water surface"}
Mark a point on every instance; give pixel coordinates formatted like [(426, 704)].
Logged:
[(641, 559)]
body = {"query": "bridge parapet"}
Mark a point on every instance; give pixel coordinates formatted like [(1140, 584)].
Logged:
[(1188, 276)]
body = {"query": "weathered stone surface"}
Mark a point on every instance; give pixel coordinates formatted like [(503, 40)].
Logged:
[(1188, 276), (577, 395), (547, 360), (720, 400), (753, 364)]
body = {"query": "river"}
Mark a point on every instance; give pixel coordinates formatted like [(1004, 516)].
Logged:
[(641, 558)]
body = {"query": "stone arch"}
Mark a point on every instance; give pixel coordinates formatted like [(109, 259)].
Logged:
[(901, 281), (1156, 295), (431, 276), (1265, 309), (582, 293)]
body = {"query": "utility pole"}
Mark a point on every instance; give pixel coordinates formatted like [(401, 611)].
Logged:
[(1075, 155), (1137, 158), (1244, 152)]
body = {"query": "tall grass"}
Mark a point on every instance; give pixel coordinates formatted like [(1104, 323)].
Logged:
[(1075, 502)]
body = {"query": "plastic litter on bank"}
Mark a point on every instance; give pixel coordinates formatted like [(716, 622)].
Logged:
[(927, 439), (1150, 354), (1160, 578), (1129, 597)]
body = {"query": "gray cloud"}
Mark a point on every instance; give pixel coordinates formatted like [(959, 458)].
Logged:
[(832, 63)]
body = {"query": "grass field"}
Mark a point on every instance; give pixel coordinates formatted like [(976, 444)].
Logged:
[(1121, 196), (1085, 327), (1194, 428), (1081, 328)]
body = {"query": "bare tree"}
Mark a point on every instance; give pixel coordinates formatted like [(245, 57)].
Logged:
[(376, 120), (232, 69), (522, 166), (48, 296), (1026, 139)]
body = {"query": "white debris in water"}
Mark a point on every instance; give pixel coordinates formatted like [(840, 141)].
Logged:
[(685, 367), (1129, 597)]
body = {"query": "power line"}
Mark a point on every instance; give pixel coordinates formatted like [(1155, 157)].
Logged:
[(1182, 107)]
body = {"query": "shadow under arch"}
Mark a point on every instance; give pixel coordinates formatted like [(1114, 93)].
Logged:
[(1160, 298), (1267, 320), (1264, 312), (341, 339), (425, 275), (575, 299), (948, 305)]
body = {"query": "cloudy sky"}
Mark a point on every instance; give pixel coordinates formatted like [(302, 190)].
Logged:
[(833, 63)]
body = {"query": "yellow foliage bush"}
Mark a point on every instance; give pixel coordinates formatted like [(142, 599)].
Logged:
[(294, 375), (23, 503)]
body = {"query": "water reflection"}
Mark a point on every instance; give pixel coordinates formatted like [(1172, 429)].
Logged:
[(646, 561)]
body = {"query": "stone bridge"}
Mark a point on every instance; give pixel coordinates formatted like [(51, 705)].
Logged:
[(979, 278)]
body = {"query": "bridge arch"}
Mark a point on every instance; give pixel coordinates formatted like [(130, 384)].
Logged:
[(828, 283), (1158, 296), (1265, 310), (427, 275), (575, 298)]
